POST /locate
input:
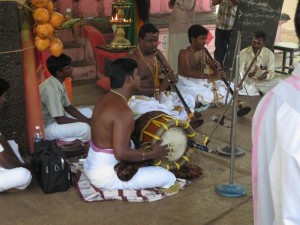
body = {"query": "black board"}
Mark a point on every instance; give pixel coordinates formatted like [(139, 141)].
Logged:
[(251, 16)]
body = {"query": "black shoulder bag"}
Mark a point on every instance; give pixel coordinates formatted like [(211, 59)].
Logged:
[(51, 167)]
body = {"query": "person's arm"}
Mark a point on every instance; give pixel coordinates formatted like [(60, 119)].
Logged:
[(171, 4), (122, 127), (187, 5), (216, 2), (270, 74), (187, 70), (234, 2), (244, 66), (8, 160), (77, 114)]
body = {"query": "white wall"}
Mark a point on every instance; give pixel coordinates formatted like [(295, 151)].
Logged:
[(289, 7)]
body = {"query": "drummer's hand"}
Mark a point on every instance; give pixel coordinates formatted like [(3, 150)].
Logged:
[(158, 152)]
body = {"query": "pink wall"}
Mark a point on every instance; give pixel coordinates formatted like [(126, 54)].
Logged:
[(95, 8), (162, 6), (86, 8)]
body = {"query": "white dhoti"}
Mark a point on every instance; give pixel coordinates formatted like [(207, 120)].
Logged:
[(252, 87), (70, 131), (202, 90), (18, 178), (99, 168), (142, 104)]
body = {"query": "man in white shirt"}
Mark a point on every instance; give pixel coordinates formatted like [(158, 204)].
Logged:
[(261, 77), (275, 152), (61, 119)]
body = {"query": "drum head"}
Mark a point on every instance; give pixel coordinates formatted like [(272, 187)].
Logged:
[(176, 140)]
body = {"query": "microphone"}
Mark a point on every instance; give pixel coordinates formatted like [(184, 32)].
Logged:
[(214, 118), (193, 144)]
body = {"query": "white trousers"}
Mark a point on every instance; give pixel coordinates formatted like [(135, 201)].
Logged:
[(18, 178), (70, 131)]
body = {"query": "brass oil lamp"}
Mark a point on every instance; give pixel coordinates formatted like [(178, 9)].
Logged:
[(119, 41)]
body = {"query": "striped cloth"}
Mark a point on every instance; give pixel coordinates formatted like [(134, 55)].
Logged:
[(89, 193), (226, 15)]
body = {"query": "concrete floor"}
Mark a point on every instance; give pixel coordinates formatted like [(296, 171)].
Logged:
[(198, 204)]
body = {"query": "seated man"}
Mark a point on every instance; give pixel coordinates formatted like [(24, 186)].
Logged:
[(199, 71), (112, 124), (61, 119), (13, 175), (261, 77), (152, 64)]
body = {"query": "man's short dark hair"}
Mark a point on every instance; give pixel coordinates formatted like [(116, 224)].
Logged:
[(195, 31), (147, 28), (55, 64), (297, 20), (4, 86), (120, 69), (260, 34)]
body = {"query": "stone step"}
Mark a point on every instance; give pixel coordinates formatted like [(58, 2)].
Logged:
[(65, 35), (75, 50), (83, 70)]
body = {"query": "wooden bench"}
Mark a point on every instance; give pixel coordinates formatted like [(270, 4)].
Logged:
[(286, 47)]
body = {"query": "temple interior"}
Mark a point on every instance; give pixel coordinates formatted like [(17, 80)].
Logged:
[(198, 203)]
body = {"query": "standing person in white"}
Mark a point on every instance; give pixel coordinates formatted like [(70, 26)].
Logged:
[(13, 174), (182, 17), (276, 152)]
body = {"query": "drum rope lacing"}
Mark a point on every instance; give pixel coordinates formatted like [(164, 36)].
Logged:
[(189, 134)]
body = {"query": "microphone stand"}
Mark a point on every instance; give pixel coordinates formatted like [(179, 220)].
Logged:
[(230, 189), (237, 87)]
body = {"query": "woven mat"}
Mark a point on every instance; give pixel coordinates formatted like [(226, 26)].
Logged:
[(89, 193)]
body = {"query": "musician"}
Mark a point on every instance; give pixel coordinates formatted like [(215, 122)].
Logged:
[(154, 83), (262, 77), (199, 73), (275, 151), (112, 123), (13, 174)]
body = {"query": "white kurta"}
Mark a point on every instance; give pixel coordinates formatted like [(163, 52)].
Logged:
[(252, 86), (276, 155)]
